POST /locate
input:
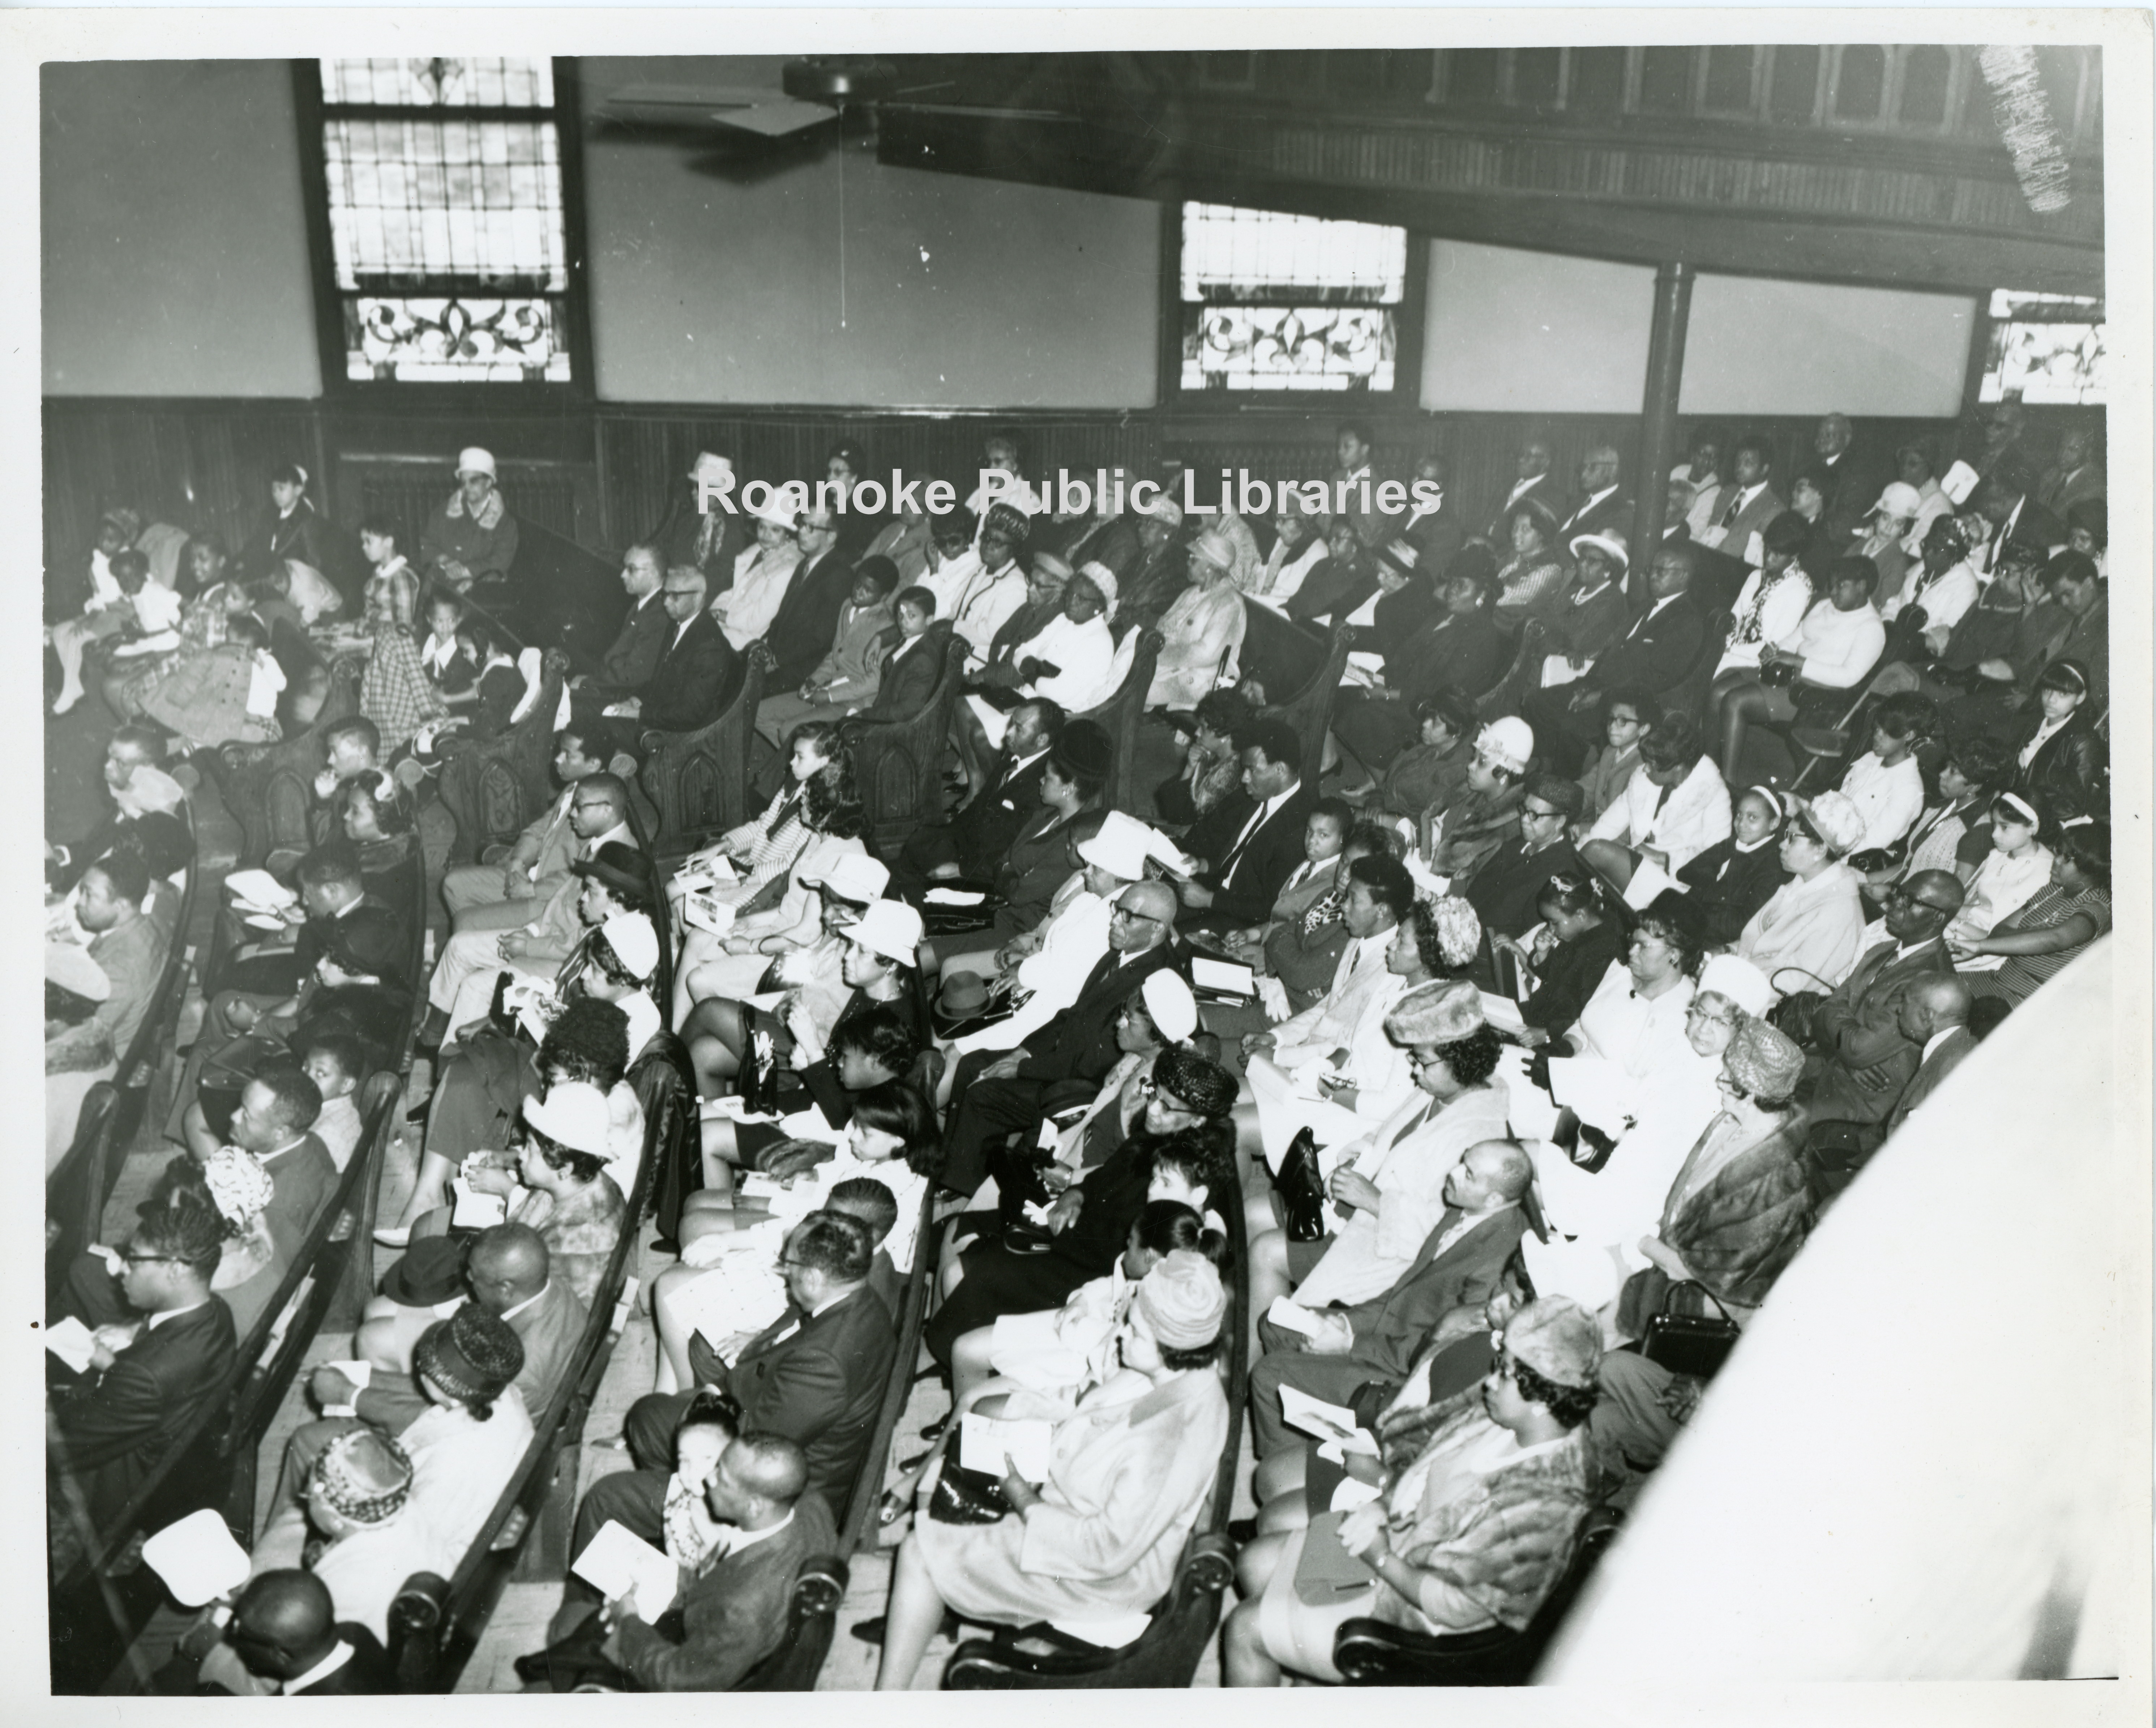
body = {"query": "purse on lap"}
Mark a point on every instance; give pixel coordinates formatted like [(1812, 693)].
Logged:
[(1697, 1343), (964, 1496)]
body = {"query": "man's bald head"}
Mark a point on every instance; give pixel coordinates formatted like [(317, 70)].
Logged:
[(1504, 1165), (1936, 1005), (508, 1265), (758, 1478), (283, 1624), (1149, 917)]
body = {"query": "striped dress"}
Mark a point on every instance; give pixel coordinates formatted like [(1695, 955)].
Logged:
[(2021, 974)]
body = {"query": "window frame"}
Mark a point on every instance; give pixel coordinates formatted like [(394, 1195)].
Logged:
[(1406, 391), (575, 332)]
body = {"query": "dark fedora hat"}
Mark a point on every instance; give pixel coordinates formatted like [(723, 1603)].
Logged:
[(621, 870), (429, 1273), (960, 1003)]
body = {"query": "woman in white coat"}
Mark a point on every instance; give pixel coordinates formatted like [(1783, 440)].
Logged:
[(1812, 930), (1128, 1476), (1201, 629)]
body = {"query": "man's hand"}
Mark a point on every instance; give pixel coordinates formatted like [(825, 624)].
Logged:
[(1004, 1068), (1258, 1044), (514, 946), (1065, 1212), (516, 883), (329, 1388), (1193, 896), (242, 1016), (1350, 1189)]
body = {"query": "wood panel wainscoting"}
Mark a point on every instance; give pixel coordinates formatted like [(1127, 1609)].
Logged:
[(601, 474)]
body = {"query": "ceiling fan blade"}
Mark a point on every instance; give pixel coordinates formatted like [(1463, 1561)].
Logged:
[(778, 118)]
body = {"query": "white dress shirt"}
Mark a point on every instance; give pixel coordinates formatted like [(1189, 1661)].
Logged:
[(1693, 817), (744, 611)]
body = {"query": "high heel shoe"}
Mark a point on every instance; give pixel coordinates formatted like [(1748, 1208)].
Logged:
[(396, 1236)]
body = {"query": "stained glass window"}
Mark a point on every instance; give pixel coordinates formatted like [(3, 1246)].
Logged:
[(2045, 348), (446, 228), (1272, 302)]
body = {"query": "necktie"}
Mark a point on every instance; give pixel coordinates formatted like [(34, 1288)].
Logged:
[(1735, 504), (1235, 852)]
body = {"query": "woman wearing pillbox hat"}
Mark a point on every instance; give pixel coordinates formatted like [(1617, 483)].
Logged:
[(1127, 1480), (471, 537), (1810, 931), (1480, 1503), (1201, 629), (466, 1446)]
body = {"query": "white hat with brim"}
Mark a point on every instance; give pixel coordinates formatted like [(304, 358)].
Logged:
[(1733, 976), (851, 875), (476, 461), (1169, 1001), (1121, 846), (574, 1115), (634, 943), (707, 467), (779, 509), (1609, 545), (892, 928), (72, 968), (1835, 819), (1901, 500)]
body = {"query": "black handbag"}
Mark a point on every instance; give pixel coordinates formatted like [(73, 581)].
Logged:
[(1301, 1190), (964, 1496), (1695, 1344)]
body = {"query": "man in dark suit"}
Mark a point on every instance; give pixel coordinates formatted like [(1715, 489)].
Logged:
[(914, 664), (816, 1374), (1533, 478), (1858, 1061), (508, 1274), (1743, 505), (1932, 1014), (634, 656), (975, 841), (284, 1629), (332, 891), (1460, 650), (699, 673), (2015, 515), (114, 1421), (1653, 654), (1435, 533), (1239, 888), (807, 618), (734, 1613), (997, 1095), (1601, 503), (1457, 1267), (1848, 481)]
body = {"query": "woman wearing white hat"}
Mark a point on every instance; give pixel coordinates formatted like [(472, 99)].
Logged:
[(710, 540), (762, 571), (1810, 931), (1202, 628), (471, 536)]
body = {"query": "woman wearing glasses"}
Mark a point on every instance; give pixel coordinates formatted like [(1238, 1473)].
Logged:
[(1476, 1519), (1810, 931)]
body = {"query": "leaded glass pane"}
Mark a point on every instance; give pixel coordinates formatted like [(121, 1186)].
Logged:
[(441, 83), (475, 200), (1237, 254), (2045, 348), (453, 339), (1287, 347)]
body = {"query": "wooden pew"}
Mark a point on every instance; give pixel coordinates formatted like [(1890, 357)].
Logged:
[(494, 787), (1309, 711), (898, 764), (1168, 1651), (699, 779), (1121, 717)]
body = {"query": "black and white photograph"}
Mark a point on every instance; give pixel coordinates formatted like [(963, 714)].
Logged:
[(1047, 852)]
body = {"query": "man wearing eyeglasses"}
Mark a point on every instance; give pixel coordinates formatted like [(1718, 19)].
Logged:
[(698, 673), (115, 1420), (1005, 1096), (1858, 1059)]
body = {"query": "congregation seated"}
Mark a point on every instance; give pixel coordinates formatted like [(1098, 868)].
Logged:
[(976, 839), (502, 896), (283, 1639), (1460, 649), (850, 675), (2040, 937), (1300, 943), (764, 849), (1674, 807), (1832, 650)]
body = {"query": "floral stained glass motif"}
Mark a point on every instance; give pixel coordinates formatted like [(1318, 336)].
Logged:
[(1287, 348), (1274, 301), (495, 83), (434, 339)]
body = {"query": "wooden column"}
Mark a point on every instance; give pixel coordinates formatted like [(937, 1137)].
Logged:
[(1658, 416)]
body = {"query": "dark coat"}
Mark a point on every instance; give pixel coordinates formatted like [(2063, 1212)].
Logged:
[(697, 677), (638, 647), (1266, 861), (117, 1425), (1657, 651), (1391, 1329), (1727, 886), (909, 680), (1334, 588), (1613, 511), (1954, 1049), (1737, 1233), (1568, 978), (1034, 865), (367, 1674), (2071, 767), (733, 1615), (807, 618), (1858, 1063), (1510, 880), (818, 1380), (1079, 1043), (982, 831), (1467, 655)]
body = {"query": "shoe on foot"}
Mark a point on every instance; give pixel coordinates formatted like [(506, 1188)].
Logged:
[(871, 1631), (1242, 1530), (396, 1236)]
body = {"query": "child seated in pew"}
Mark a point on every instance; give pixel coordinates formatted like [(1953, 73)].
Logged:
[(452, 668), (732, 1296)]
